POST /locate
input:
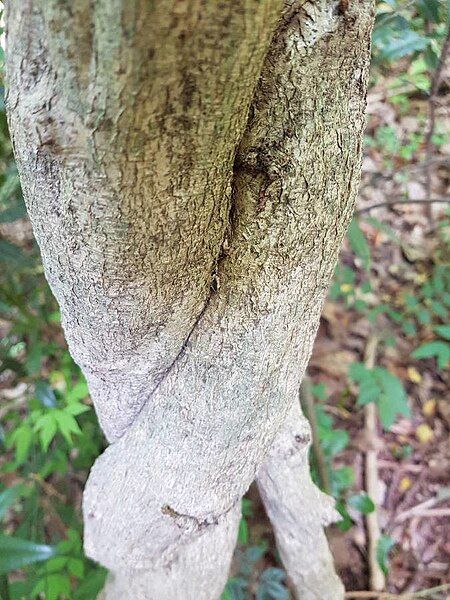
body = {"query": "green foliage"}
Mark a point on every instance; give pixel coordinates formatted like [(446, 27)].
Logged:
[(15, 553), (382, 387), (401, 30), (271, 585), (385, 545), (438, 349), (362, 503)]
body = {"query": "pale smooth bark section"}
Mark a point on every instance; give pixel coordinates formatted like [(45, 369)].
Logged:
[(299, 511), (198, 571), (189, 184)]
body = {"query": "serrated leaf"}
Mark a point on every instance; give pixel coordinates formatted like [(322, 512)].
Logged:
[(443, 331), (16, 553), (67, 425), (78, 392), (76, 408), (438, 349), (369, 390), (357, 372), (393, 401), (47, 427)]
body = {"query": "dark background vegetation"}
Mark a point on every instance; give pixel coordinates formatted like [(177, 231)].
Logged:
[(384, 341)]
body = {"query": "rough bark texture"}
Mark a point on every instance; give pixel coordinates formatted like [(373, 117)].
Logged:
[(299, 511), (190, 168)]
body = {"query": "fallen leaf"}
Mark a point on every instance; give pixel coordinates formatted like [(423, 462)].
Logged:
[(405, 484), (414, 375), (429, 407), (424, 433)]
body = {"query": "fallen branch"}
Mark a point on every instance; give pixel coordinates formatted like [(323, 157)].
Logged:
[(422, 508), (377, 578), (408, 596), (388, 203)]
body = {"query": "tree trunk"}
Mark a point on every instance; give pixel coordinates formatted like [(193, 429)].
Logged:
[(190, 168)]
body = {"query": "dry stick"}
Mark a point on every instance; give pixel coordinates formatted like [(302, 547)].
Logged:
[(432, 114), (377, 578), (307, 403), (388, 596), (370, 595), (419, 509), (444, 200)]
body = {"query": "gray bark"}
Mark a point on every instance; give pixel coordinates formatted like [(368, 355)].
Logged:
[(190, 168)]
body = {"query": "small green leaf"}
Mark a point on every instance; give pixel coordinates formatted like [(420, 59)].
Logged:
[(91, 585), (47, 427), (347, 521), (76, 567), (21, 439), (362, 503), (55, 586), (439, 350), (393, 401), (76, 408), (443, 331), (67, 425), (385, 545), (16, 553), (243, 532), (78, 392)]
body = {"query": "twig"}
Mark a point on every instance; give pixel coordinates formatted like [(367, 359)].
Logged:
[(393, 202), (421, 508), (307, 402), (408, 596), (377, 578), (435, 160), (47, 487), (436, 80), (434, 512)]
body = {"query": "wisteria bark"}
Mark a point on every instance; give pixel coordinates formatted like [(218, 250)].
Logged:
[(190, 167)]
